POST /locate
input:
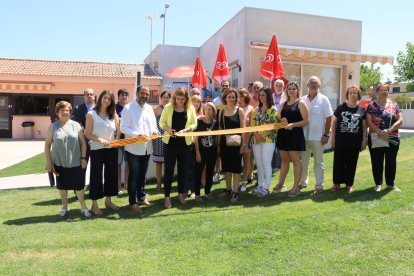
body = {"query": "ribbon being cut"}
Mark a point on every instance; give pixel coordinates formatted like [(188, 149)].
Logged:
[(144, 138)]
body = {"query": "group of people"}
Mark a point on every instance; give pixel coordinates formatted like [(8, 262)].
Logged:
[(75, 137)]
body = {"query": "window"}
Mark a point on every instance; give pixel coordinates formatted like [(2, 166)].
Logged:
[(330, 77), (234, 77), (396, 89), (31, 105)]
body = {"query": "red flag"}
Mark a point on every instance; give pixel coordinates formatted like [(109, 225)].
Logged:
[(221, 68), (199, 77), (272, 66)]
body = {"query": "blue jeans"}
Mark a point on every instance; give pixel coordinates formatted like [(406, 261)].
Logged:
[(138, 165)]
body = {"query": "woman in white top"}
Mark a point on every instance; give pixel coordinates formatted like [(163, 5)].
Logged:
[(102, 126), (248, 160)]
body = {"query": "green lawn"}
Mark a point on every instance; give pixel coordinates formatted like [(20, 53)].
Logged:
[(35, 164), (364, 232)]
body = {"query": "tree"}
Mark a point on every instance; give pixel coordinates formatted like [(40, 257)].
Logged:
[(369, 76), (404, 69), (402, 100)]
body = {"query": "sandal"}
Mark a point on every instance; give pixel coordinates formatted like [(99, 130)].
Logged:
[(225, 193), (335, 187), (234, 197), (294, 192), (111, 206), (167, 203), (182, 199), (278, 188)]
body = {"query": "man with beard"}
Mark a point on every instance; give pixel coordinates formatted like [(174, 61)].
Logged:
[(138, 118)]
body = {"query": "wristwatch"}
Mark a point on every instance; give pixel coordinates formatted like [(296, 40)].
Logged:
[(327, 136)]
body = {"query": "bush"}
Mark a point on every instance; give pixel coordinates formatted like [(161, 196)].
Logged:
[(402, 100)]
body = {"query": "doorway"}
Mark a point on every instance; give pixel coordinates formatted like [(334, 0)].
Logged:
[(5, 118)]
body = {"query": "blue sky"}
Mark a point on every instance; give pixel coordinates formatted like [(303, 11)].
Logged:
[(117, 31)]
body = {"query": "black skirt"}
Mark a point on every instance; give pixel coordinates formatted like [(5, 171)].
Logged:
[(70, 178)]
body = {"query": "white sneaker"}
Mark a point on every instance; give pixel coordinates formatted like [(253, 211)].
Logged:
[(216, 177), (256, 190), (377, 188), (86, 213), (63, 212), (394, 188), (262, 192)]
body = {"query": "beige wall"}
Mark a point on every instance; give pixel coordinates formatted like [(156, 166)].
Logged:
[(39, 129), (66, 85)]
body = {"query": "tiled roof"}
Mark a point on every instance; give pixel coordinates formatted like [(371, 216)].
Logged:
[(75, 68)]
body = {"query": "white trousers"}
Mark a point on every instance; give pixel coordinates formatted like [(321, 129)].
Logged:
[(263, 154), (315, 148)]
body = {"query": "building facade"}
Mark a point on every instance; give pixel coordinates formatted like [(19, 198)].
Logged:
[(30, 89), (309, 45)]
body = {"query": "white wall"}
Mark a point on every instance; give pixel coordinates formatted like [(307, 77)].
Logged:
[(170, 56), (408, 116)]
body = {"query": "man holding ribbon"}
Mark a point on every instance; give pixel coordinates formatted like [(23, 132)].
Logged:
[(138, 119)]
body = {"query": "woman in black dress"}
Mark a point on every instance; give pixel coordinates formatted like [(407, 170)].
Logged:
[(231, 116), (291, 140)]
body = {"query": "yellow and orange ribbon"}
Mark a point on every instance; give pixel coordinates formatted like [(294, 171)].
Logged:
[(144, 138)]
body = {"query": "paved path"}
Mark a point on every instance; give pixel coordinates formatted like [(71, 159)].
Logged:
[(16, 150), (24, 181)]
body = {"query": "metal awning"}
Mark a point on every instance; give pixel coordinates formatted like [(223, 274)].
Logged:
[(26, 86), (309, 53)]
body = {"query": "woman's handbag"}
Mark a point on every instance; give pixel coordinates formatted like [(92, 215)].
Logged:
[(232, 140), (377, 142)]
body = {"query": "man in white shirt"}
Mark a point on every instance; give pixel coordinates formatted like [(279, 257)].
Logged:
[(138, 118), (316, 133)]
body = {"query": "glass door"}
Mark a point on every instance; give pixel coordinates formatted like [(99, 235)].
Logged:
[(5, 120)]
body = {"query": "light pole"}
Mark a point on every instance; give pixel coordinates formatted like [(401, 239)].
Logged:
[(167, 5), (149, 17)]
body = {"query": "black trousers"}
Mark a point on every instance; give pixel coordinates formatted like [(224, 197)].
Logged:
[(181, 156), (103, 182), (377, 161), (344, 165), (208, 160)]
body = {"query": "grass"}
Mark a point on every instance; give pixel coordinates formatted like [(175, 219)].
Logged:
[(35, 164), (334, 233)]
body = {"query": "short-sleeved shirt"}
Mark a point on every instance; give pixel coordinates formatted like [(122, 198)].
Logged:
[(206, 141), (349, 129), (269, 116), (385, 117), (66, 147), (319, 109)]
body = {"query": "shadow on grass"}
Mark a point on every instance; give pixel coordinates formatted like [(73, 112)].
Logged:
[(219, 204)]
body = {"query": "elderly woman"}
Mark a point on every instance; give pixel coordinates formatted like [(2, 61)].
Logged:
[(248, 161), (264, 141), (291, 139), (157, 144), (102, 126), (65, 152), (349, 137), (177, 117), (231, 147), (384, 118)]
